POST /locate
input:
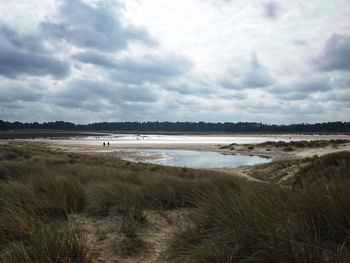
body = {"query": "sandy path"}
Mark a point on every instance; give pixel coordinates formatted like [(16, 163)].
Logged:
[(242, 171), (162, 226), (105, 240)]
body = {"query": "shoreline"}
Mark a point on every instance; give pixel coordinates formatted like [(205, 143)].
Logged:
[(131, 151), (24, 134)]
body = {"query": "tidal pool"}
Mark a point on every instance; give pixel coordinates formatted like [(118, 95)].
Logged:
[(155, 139), (201, 159)]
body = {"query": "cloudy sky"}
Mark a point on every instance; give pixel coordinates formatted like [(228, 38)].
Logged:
[(187, 60)]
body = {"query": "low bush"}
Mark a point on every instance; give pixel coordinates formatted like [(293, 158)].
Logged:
[(288, 149), (304, 144)]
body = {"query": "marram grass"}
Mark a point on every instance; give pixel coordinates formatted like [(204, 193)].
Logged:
[(231, 220)]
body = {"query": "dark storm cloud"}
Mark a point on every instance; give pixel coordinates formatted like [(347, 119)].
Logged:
[(138, 70), (90, 26), (271, 10), (335, 55), (25, 54)]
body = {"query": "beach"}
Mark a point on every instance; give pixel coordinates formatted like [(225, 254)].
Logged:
[(129, 148)]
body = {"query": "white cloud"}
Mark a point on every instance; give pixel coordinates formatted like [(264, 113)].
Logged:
[(106, 60)]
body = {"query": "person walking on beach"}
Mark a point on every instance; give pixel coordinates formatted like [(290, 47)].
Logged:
[(108, 144), (104, 144)]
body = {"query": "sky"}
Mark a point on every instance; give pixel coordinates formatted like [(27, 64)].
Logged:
[(88, 61)]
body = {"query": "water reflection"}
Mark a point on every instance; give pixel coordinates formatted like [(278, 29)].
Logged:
[(199, 159), (152, 139)]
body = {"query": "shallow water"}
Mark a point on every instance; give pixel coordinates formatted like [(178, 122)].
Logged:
[(139, 139), (201, 159)]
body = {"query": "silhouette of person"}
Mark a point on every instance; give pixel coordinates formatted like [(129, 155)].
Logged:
[(108, 144), (104, 144)]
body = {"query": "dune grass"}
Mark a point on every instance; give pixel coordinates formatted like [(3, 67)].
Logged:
[(55, 242), (289, 146), (40, 187), (232, 220), (271, 223)]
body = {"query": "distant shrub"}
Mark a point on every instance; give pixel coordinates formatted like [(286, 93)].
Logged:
[(304, 144), (288, 149), (224, 147)]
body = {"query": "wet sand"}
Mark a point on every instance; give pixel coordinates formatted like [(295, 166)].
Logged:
[(130, 150), (31, 134)]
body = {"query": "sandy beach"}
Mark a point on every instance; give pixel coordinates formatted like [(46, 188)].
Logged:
[(130, 146), (129, 149)]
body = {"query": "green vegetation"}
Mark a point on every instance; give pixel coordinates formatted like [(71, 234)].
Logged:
[(193, 127), (43, 192)]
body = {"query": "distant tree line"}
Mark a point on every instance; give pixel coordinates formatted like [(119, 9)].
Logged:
[(221, 127)]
